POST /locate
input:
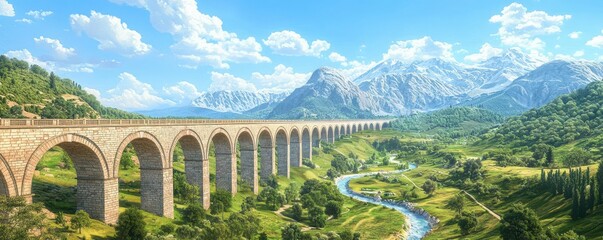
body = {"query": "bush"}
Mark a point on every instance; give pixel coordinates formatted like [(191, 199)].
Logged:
[(467, 223), (297, 211), (194, 214), (80, 220), (130, 225), (333, 208), (221, 201), (308, 163)]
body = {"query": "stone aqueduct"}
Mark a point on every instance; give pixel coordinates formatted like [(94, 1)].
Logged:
[(95, 147)]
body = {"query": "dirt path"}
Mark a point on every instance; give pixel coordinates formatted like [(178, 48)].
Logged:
[(482, 205), (413, 183), (280, 211)]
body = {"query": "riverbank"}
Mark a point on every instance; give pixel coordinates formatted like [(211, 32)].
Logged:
[(419, 223)]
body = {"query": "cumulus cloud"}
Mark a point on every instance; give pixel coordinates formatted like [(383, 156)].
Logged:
[(25, 55), (183, 92), (518, 27), (290, 43), (24, 20), (199, 37), (419, 49), (336, 57), (40, 15), (574, 35), (579, 53), (596, 41), (283, 79), (355, 68), (131, 94), (485, 52), (228, 82), (55, 49), (6, 9), (110, 32)]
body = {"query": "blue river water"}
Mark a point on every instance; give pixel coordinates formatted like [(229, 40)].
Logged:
[(419, 225)]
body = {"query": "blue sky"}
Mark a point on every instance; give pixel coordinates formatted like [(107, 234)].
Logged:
[(144, 54)]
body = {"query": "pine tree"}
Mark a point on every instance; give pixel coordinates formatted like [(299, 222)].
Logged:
[(550, 159), (583, 202), (53, 84)]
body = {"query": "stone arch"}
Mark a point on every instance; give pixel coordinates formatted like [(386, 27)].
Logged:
[(336, 133), (324, 135), (330, 135), (97, 193), (306, 143), (377, 126), (366, 127), (385, 125), (248, 158), (8, 183), (342, 131), (156, 179), (194, 159), (282, 151), (315, 137), (360, 127), (295, 149), (372, 126), (226, 173), (267, 164), (348, 130), (354, 130)]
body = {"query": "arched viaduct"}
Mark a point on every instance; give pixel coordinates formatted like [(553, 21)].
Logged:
[(95, 146)]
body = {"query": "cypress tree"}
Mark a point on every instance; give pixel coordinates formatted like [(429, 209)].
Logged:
[(600, 182), (575, 205), (542, 178), (583, 202), (550, 159), (594, 194)]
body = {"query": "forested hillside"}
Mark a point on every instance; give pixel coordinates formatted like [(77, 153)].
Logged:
[(450, 122), (31, 92), (568, 118)]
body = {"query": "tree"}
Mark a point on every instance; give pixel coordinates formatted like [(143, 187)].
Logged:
[(600, 181), (243, 225), (457, 203), (272, 182), (297, 211), (467, 223), (60, 219), (520, 222), (221, 201), (291, 232), (80, 220), (550, 158), (19, 220), (194, 214), (292, 192), (272, 198), (126, 161), (317, 216), (130, 225), (333, 208), (472, 169), (53, 84), (429, 187)]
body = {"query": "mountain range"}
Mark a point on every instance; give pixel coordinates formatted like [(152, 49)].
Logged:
[(509, 84)]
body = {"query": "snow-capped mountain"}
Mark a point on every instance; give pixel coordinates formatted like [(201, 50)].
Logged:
[(327, 94), (541, 86), (236, 101)]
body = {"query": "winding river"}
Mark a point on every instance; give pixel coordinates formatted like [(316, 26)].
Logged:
[(419, 225)]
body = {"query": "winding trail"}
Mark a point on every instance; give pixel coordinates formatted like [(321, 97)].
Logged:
[(482, 205), (411, 181)]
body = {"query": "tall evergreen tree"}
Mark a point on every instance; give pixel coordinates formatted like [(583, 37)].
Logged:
[(575, 205), (594, 194), (600, 182), (550, 159)]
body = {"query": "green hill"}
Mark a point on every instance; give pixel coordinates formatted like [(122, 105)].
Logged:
[(31, 92), (568, 118), (451, 122)]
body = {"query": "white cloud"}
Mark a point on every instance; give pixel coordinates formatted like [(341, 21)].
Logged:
[(419, 49), (283, 79), (518, 27), (355, 68), (132, 94), (579, 53), (574, 35), (557, 46), (6, 9), (50, 65), (40, 15), (24, 20), (596, 41), (93, 92), (55, 49), (290, 43), (199, 38), (25, 55), (485, 53), (228, 82), (111, 33), (336, 57), (183, 92)]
